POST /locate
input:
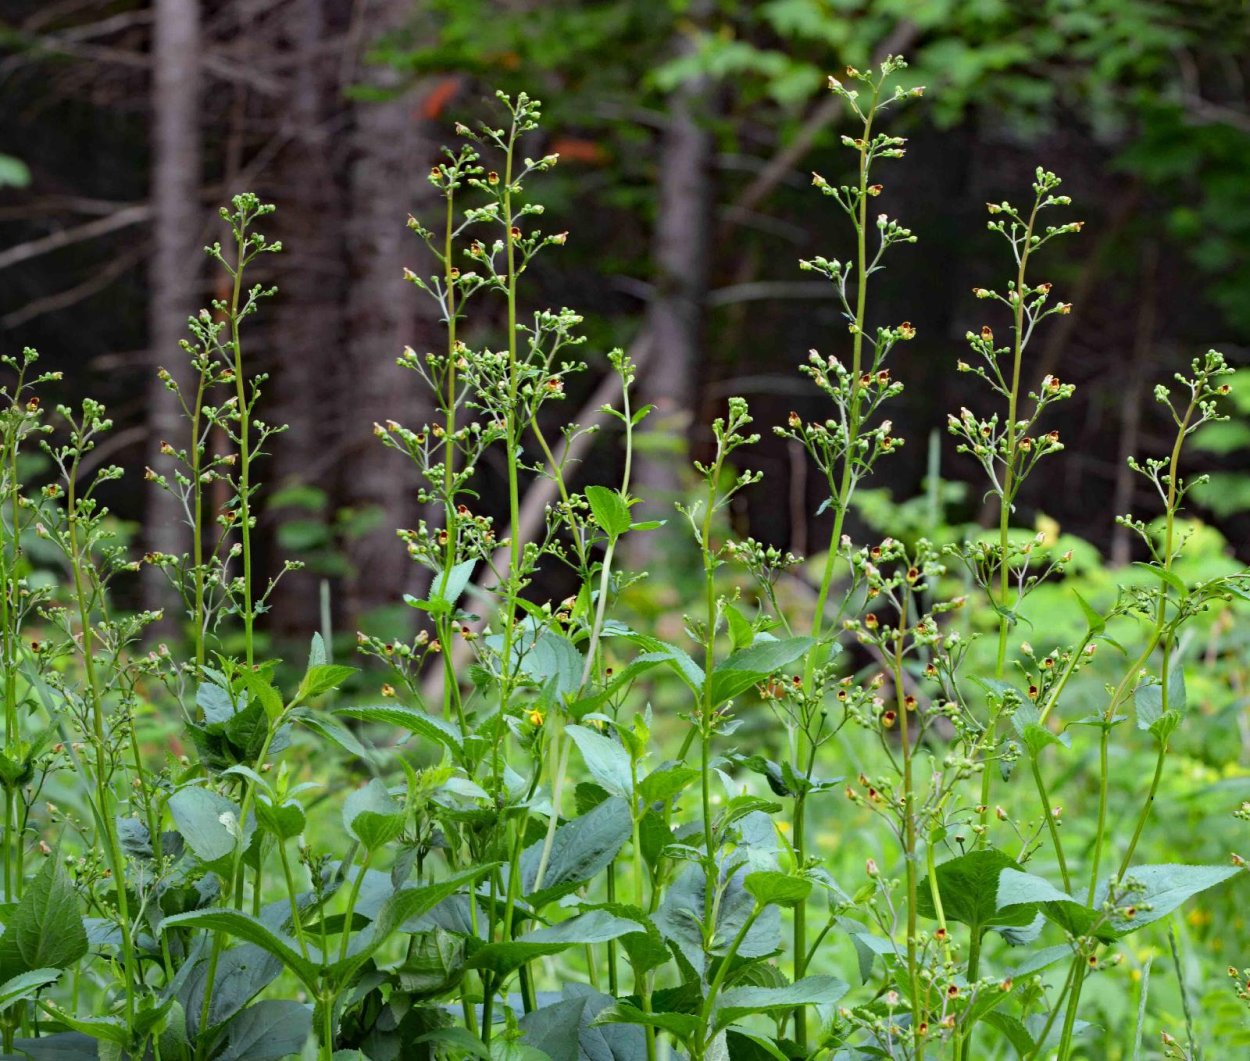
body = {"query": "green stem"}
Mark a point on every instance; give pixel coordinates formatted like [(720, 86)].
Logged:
[(1069, 1016), (909, 839), (1147, 807), (1051, 824), (1010, 486), (709, 1003), (104, 793), (245, 455), (351, 905), (327, 1027), (292, 894), (197, 530)]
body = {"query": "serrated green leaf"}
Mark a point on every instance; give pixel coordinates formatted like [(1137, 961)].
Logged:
[(267, 1030), (609, 510), (372, 816), (1163, 888), (749, 667), (779, 888), (680, 1025), (1094, 621), (968, 887), (740, 1002), (45, 929), (321, 679), (413, 719), (26, 985), (606, 760), (251, 929), (209, 822)]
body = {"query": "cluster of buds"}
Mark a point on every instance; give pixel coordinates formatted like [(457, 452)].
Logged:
[(859, 702), (766, 563)]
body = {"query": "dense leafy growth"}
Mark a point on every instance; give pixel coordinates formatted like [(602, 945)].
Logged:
[(817, 818)]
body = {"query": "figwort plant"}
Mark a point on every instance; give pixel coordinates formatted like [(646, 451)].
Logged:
[(540, 825)]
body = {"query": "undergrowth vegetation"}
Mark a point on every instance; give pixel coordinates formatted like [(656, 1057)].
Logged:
[(938, 793)]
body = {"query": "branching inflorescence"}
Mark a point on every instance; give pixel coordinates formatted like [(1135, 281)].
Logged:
[(684, 870)]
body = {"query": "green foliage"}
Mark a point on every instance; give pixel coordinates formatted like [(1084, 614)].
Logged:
[(548, 793)]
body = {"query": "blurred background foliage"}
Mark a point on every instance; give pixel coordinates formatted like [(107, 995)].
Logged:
[(687, 132)]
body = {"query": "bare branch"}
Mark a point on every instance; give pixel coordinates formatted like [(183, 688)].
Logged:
[(97, 281), (124, 218)]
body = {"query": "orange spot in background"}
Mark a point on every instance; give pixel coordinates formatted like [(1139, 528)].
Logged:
[(577, 149), (438, 97)]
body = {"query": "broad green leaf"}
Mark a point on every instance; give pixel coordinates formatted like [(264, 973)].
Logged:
[(406, 905), (266, 1031), (413, 719), (666, 781), (1165, 576), (1148, 699), (595, 926), (45, 930), (215, 702), (580, 849), (609, 509), (321, 679), (457, 578), (741, 632), (284, 820), (460, 1039), (968, 886), (1094, 620), (779, 888), (1016, 888), (333, 731), (372, 816), (554, 659), (606, 760), (26, 985), (1163, 889), (1041, 959), (563, 1029), (680, 1025), (739, 1002), (260, 690), (683, 912), (1032, 732), (251, 929), (1013, 1031), (657, 651), (502, 1049), (208, 822), (750, 1046), (102, 1029), (241, 973), (744, 669)]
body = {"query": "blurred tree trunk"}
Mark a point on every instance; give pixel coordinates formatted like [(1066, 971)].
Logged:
[(307, 318), (392, 150), (674, 321), (176, 221)]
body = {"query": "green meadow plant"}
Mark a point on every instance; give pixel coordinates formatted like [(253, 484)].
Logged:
[(873, 821)]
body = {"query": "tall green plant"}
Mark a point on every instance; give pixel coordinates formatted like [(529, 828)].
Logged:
[(579, 801)]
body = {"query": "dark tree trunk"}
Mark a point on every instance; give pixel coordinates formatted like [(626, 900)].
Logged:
[(393, 150), (307, 319), (176, 221), (674, 320)]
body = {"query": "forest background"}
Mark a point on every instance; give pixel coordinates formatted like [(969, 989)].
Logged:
[(687, 133)]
